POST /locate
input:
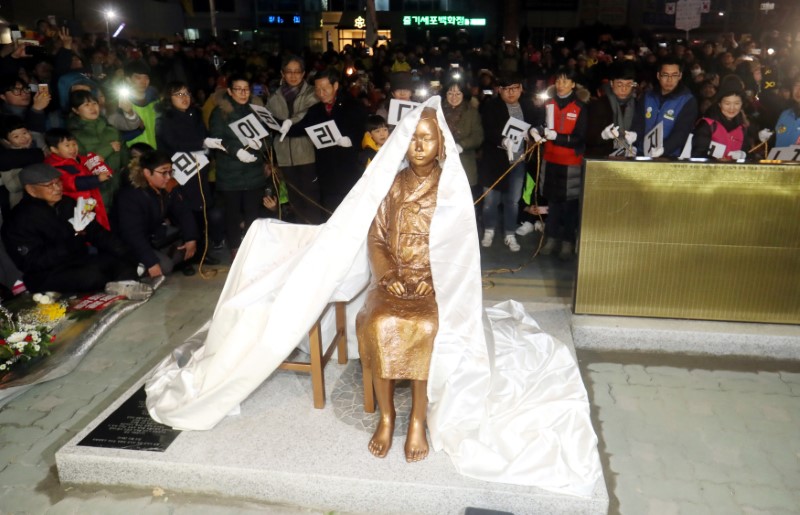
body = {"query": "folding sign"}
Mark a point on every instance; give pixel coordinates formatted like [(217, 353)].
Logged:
[(185, 165), (247, 128), (654, 138), (398, 109), (515, 130), (785, 153), (324, 135), (266, 117)]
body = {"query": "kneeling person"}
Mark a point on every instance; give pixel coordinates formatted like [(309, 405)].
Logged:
[(153, 218), (45, 246)]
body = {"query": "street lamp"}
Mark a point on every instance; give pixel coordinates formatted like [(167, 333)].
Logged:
[(109, 14)]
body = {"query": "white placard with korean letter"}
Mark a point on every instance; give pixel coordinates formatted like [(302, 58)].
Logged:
[(398, 109), (185, 165), (324, 135), (716, 150), (654, 138), (791, 153), (515, 130), (248, 128), (266, 117)]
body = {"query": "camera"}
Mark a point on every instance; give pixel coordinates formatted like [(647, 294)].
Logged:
[(269, 192)]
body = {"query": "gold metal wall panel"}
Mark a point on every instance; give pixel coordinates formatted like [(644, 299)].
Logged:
[(709, 241)]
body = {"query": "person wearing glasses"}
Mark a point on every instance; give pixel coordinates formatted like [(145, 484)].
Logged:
[(154, 220), (240, 167), (295, 155), (670, 103), (611, 115), (51, 254), (17, 99), (498, 154), (180, 128)]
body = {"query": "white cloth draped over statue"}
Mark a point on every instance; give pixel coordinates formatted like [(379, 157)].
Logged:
[(506, 403)]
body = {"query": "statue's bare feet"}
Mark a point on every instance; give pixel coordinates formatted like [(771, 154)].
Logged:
[(416, 442), (381, 441)]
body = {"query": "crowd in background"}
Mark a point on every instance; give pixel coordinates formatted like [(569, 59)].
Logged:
[(85, 120)]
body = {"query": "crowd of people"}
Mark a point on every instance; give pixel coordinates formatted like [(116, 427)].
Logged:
[(82, 119)]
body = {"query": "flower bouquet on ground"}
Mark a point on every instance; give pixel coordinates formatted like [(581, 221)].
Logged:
[(21, 343)]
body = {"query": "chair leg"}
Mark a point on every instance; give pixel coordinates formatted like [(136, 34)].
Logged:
[(317, 375), (369, 388), (341, 332)]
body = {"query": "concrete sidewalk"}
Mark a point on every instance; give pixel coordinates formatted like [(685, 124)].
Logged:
[(677, 435)]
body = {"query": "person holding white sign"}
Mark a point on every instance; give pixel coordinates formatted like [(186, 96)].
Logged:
[(240, 168), (611, 115), (670, 103), (295, 154), (180, 128), (723, 132), (560, 177), (495, 115), (337, 161)]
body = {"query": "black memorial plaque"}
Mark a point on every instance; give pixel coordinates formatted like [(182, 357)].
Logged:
[(130, 427)]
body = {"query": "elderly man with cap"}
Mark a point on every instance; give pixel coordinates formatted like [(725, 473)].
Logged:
[(52, 255)]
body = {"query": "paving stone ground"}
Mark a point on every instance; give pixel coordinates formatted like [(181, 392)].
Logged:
[(682, 436)]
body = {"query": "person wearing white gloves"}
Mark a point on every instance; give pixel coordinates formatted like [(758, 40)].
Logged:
[(464, 122), (338, 165), (611, 114), (562, 163), (670, 103), (180, 128), (294, 151), (240, 168), (723, 131), (497, 156)]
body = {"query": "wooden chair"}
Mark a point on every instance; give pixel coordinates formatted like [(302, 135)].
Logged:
[(316, 367)]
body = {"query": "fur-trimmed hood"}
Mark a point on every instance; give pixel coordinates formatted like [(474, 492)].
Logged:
[(581, 93), (225, 103)]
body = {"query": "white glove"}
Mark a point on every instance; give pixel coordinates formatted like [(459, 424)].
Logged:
[(737, 154), (550, 134), (535, 135), (213, 143), (630, 137), (657, 152), (285, 126), (764, 135), (345, 142), (610, 132), (508, 145), (459, 148), (253, 143), (245, 157)]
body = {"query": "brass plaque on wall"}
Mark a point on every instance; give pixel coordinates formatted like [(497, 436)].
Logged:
[(708, 241)]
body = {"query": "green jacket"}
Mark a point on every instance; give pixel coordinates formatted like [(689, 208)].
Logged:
[(298, 150), (96, 136), (232, 174)]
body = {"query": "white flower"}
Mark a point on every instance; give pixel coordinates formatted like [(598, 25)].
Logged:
[(2, 367), (16, 337), (35, 337), (37, 297), (45, 299), (36, 348)]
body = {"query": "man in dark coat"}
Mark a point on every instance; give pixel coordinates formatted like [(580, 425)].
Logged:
[(52, 255), (611, 115), (337, 166)]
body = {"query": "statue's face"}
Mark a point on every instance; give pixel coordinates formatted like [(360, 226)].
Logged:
[(424, 146)]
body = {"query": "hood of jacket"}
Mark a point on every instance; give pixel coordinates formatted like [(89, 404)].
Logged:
[(580, 92)]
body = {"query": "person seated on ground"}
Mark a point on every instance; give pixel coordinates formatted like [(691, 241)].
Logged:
[(81, 176), (95, 136), (46, 247), (374, 137), (399, 321), (155, 221), (14, 135)]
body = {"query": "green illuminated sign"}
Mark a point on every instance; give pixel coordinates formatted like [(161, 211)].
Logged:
[(433, 21)]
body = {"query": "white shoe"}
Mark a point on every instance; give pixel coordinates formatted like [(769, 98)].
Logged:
[(549, 246), (511, 241), (567, 250), (525, 228), (488, 236)]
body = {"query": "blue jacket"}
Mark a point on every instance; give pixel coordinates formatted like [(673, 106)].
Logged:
[(678, 111), (787, 130)]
